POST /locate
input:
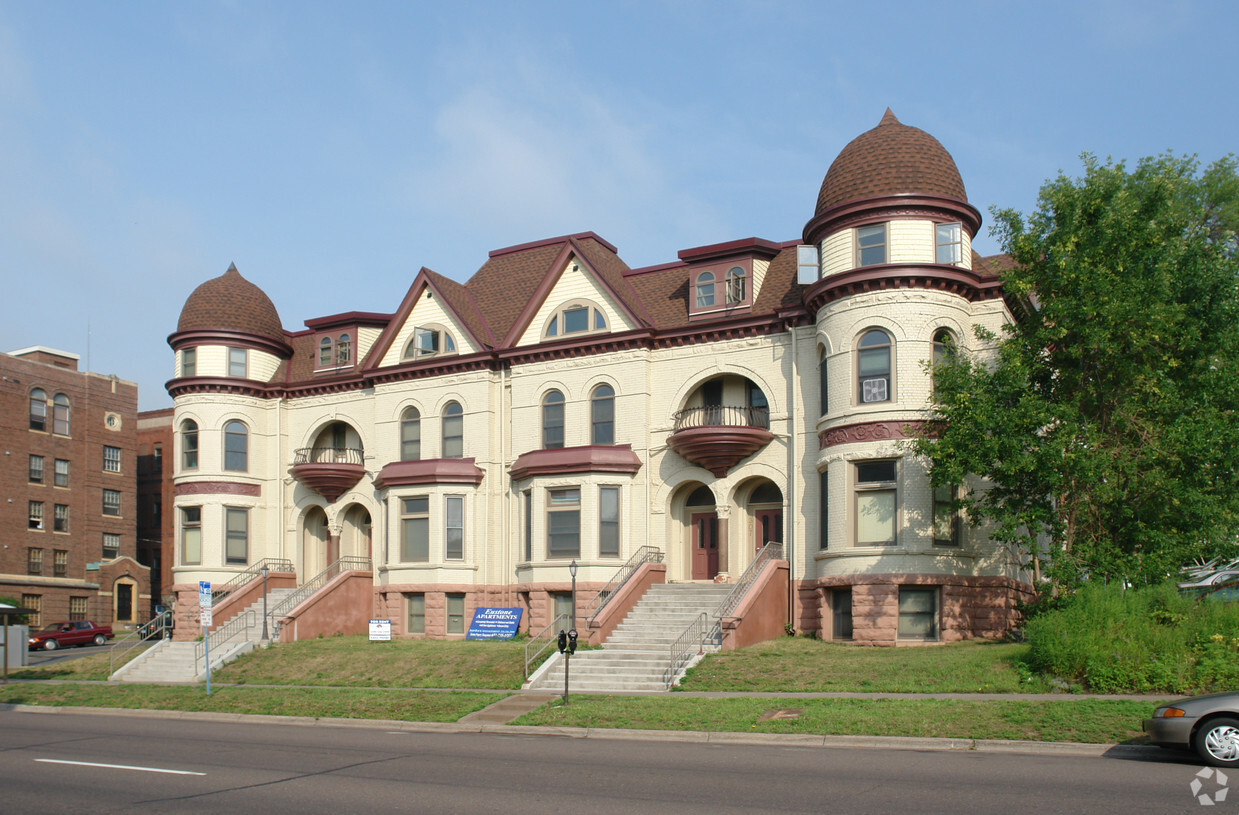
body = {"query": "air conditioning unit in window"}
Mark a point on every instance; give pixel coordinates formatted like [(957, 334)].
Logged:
[(873, 390)]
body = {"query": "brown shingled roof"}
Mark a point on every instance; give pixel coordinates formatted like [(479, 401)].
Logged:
[(890, 159), (231, 303)]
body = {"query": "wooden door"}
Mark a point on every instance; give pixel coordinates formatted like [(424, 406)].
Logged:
[(769, 526), (705, 545)]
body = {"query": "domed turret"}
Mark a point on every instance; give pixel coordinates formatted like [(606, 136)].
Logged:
[(890, 159), (231, 303)]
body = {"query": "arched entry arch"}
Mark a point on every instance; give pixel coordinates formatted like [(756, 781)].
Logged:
[(703, 543), (315, 540), (355, 532)]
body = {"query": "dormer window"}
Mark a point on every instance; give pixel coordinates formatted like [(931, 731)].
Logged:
[(429, 341), (948, 238), (324, 352), (871, 245), (578, 317), (736, 286), (344, 350), (705, 290)]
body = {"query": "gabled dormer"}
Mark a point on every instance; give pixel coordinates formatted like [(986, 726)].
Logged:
[(427, 326), (341, 341), (725, 278)]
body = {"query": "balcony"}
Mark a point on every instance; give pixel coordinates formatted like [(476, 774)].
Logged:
[(329, 471), (717, 437)]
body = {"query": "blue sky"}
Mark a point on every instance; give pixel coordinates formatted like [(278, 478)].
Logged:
[(331, 150)]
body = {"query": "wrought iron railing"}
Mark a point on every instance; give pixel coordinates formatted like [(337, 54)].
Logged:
[(722, 416), (344, 564), (329, 455), (646, 554), (246, 620), (273, 564), (688, 645), (771, 551), (543, 640), (156, 628)]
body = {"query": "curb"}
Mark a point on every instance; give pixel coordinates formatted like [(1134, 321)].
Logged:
[(1053, 748)]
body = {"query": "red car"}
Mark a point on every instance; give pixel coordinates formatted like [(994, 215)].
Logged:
[(61, 635)]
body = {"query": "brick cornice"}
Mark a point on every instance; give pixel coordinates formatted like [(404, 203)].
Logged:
[(218, 488)]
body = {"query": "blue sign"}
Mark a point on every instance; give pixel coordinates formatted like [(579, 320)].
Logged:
[(494, 624)]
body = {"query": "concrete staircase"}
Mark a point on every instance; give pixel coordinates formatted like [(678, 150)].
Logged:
[(175, 661), (637, 654)]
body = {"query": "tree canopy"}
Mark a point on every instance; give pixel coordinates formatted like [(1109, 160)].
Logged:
[(1105, 422)]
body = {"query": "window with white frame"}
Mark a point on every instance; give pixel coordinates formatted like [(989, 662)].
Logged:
[(34, 602), (189, 362), (324, 352), (415, 529), (876, 502), (237, 362), (34, 561), (236, 447), (78, 608), (38, 409), (60, 518), (704, 288), (189, 445), (236, 535), (60, 562), (737, 286), (111, 502), (111, 459), (111, 545), (34, 514), (36, 469), (602, 415), (552, 420), (60, 414), (430, 341), (60, 477), (874, 354), (344, 350), (191, 535), (453, 430), (918, 612), (563, 522), (871, 245), (454, 527), (410, 434), (949, 244), (608, 521), (578, 317)]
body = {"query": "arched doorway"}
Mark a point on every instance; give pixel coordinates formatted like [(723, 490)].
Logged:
[(704, 543), (355, 540), (315, 538), (765, 504)]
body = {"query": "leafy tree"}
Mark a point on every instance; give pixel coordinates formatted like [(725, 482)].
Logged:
[(1105, 422)]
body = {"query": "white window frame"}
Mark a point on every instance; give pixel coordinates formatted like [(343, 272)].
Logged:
[(871, 252), (873, 494)]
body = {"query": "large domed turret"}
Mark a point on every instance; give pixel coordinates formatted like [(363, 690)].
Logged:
[(890, 159), (231, 303)]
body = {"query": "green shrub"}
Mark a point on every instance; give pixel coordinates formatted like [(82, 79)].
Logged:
[(1147, 640)]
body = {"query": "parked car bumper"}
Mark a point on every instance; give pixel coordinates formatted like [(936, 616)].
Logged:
[(1170, 730)]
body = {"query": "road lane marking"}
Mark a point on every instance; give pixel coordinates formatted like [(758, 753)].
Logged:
[(118, 767)]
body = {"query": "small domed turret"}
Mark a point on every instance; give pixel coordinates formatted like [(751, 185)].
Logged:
[(231, 303)]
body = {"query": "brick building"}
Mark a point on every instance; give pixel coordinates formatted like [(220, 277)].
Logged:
[(154, 494), (68, 518), (560, 407)]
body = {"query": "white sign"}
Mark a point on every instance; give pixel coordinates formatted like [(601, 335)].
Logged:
[(204, 603), (380, 630)]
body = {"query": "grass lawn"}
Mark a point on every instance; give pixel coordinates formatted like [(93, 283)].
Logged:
[(347, 703), (1098, 721), (808, 665)]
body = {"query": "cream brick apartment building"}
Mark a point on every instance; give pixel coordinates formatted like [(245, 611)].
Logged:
[(560, 406)]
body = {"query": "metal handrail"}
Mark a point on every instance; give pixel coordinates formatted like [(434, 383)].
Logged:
[(329, 455), (722, 416), (156, 627), (344, 564), (273, 564), (693, 639), (773, 550), (548, 637), (646, 554), (246, 620)]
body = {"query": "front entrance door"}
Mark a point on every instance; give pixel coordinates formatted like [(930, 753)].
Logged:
[(769, 526), (705, 545)]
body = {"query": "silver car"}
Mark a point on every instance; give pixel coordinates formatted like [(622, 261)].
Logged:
[(1207, 724)]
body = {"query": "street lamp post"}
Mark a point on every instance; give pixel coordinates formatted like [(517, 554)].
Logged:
[(567, 640), (572, 571), (265, 569)]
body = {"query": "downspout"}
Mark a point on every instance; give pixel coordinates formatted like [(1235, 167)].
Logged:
[(792, 485), (507, 492)]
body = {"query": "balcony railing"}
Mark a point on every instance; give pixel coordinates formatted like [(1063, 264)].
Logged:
[(722, 416), (329, 455)]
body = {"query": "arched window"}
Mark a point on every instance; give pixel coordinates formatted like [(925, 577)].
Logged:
[(60, 414), (577, 317), (705, 289), (324, 352), (38, 409), (430, 341), (552, 420), (736, 288), (823, 380), (344, 350), (236, 447), (945, 346), (602, 415), (453, 431), (759, 406), (873, 366), (189, 445), (410, 434)]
